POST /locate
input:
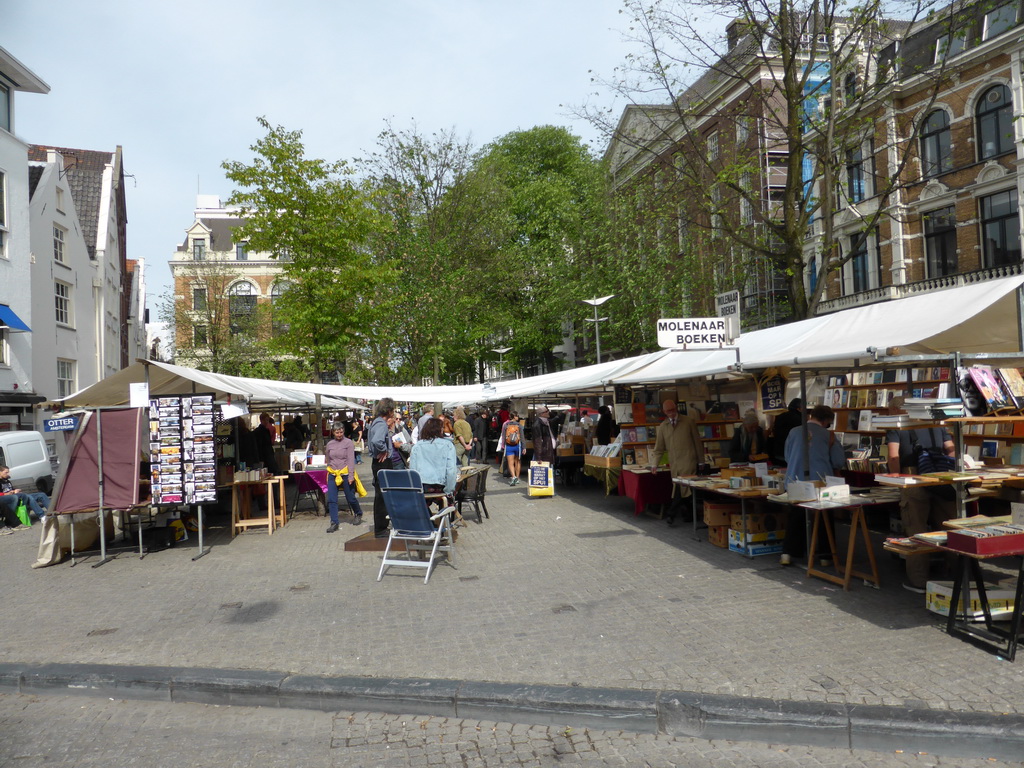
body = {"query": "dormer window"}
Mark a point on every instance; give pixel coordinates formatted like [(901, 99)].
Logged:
[(198, 249), (241, 254)]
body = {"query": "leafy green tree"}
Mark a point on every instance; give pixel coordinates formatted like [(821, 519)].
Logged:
[(549, 232), (311, 215)]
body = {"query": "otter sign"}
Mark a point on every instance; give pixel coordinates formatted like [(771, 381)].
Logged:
[(693, 333)]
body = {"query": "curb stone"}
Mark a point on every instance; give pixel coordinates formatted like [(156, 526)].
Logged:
[(675, 713)]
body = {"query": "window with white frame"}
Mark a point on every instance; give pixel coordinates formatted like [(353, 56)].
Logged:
[(1000, 229), (936, 145), (743, 129), (713, 146), (998, 20), (746, 207), (855, 188), (241, 254), (198, 249), (241, 306), (62, 297), (5, 355), (940, 241), (60, 200), (58, 244), (994, 117), (862, 268), (65, 378), (199, 298)]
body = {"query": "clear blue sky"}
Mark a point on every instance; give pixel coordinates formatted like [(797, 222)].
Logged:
[(179, 84)]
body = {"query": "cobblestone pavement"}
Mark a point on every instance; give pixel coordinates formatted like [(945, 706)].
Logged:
[(76, 732), (570, 590)]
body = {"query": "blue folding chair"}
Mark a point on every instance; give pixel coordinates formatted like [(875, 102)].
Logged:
[(412, 523)]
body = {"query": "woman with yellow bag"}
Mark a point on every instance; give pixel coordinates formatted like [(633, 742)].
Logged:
[(341, 470)]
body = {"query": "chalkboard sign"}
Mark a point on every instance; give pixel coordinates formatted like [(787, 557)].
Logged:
[(623, 395), (773, 394)]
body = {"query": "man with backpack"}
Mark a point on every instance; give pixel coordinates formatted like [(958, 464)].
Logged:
[(512, 443), (915, 451)]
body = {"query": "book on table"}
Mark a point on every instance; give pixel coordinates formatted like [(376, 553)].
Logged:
[(893, 478)]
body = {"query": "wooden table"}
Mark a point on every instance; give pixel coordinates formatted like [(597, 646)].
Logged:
[(241, 503), (721, 487), (858, 525)]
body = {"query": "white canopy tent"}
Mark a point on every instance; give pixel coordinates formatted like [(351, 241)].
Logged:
[(979, 318), (167, 379)]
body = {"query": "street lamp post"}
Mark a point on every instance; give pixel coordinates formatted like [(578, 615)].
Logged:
[(501, 352), (595, 303)]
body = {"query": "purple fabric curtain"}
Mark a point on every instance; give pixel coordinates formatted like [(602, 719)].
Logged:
[(77, 486)]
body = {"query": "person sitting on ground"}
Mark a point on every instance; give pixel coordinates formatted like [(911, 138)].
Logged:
[(748, 442), (512, 444), (434, 458), (11, 498)]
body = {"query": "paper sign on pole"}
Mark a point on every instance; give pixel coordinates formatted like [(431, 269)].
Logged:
[(138, 394)]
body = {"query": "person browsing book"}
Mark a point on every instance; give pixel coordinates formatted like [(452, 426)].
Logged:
[(921, 509), (748, 442), (678, 437), (817, 449)]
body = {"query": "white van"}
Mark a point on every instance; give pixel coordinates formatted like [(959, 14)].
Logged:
[(25, 453)]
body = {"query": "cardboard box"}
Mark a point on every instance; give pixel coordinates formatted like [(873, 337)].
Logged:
[(759, 522), (757, 538), (1000, 600), (565, 451), (608, 462), (716, 513), (754, 548), (718, 535), (738, 472)]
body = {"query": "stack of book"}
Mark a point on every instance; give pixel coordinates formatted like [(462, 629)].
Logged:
[(927, 408), (892, 422)]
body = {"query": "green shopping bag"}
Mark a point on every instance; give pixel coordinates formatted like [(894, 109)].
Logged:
[(22, 513)]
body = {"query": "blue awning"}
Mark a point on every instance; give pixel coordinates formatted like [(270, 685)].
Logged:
[(11, 320)]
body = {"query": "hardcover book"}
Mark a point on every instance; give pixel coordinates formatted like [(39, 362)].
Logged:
[(1013, 383), (988, 386)]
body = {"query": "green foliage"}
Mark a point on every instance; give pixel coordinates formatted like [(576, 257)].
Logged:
[(310, 214)]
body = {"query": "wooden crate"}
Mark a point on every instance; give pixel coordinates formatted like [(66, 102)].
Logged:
[(608, 462)]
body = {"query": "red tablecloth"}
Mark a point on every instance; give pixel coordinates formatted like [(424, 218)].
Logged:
[(646, 488)]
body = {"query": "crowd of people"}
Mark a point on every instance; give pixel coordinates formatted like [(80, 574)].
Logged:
[(437, 445)]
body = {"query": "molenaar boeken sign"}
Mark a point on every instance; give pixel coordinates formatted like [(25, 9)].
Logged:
[(693, 333)]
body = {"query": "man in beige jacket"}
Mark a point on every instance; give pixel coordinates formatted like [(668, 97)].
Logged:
[(677, 435)]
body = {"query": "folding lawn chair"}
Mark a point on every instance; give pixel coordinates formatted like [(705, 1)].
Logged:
[(412, 523)]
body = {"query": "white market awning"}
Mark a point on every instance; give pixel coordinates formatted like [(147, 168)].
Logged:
[(979, 318)]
